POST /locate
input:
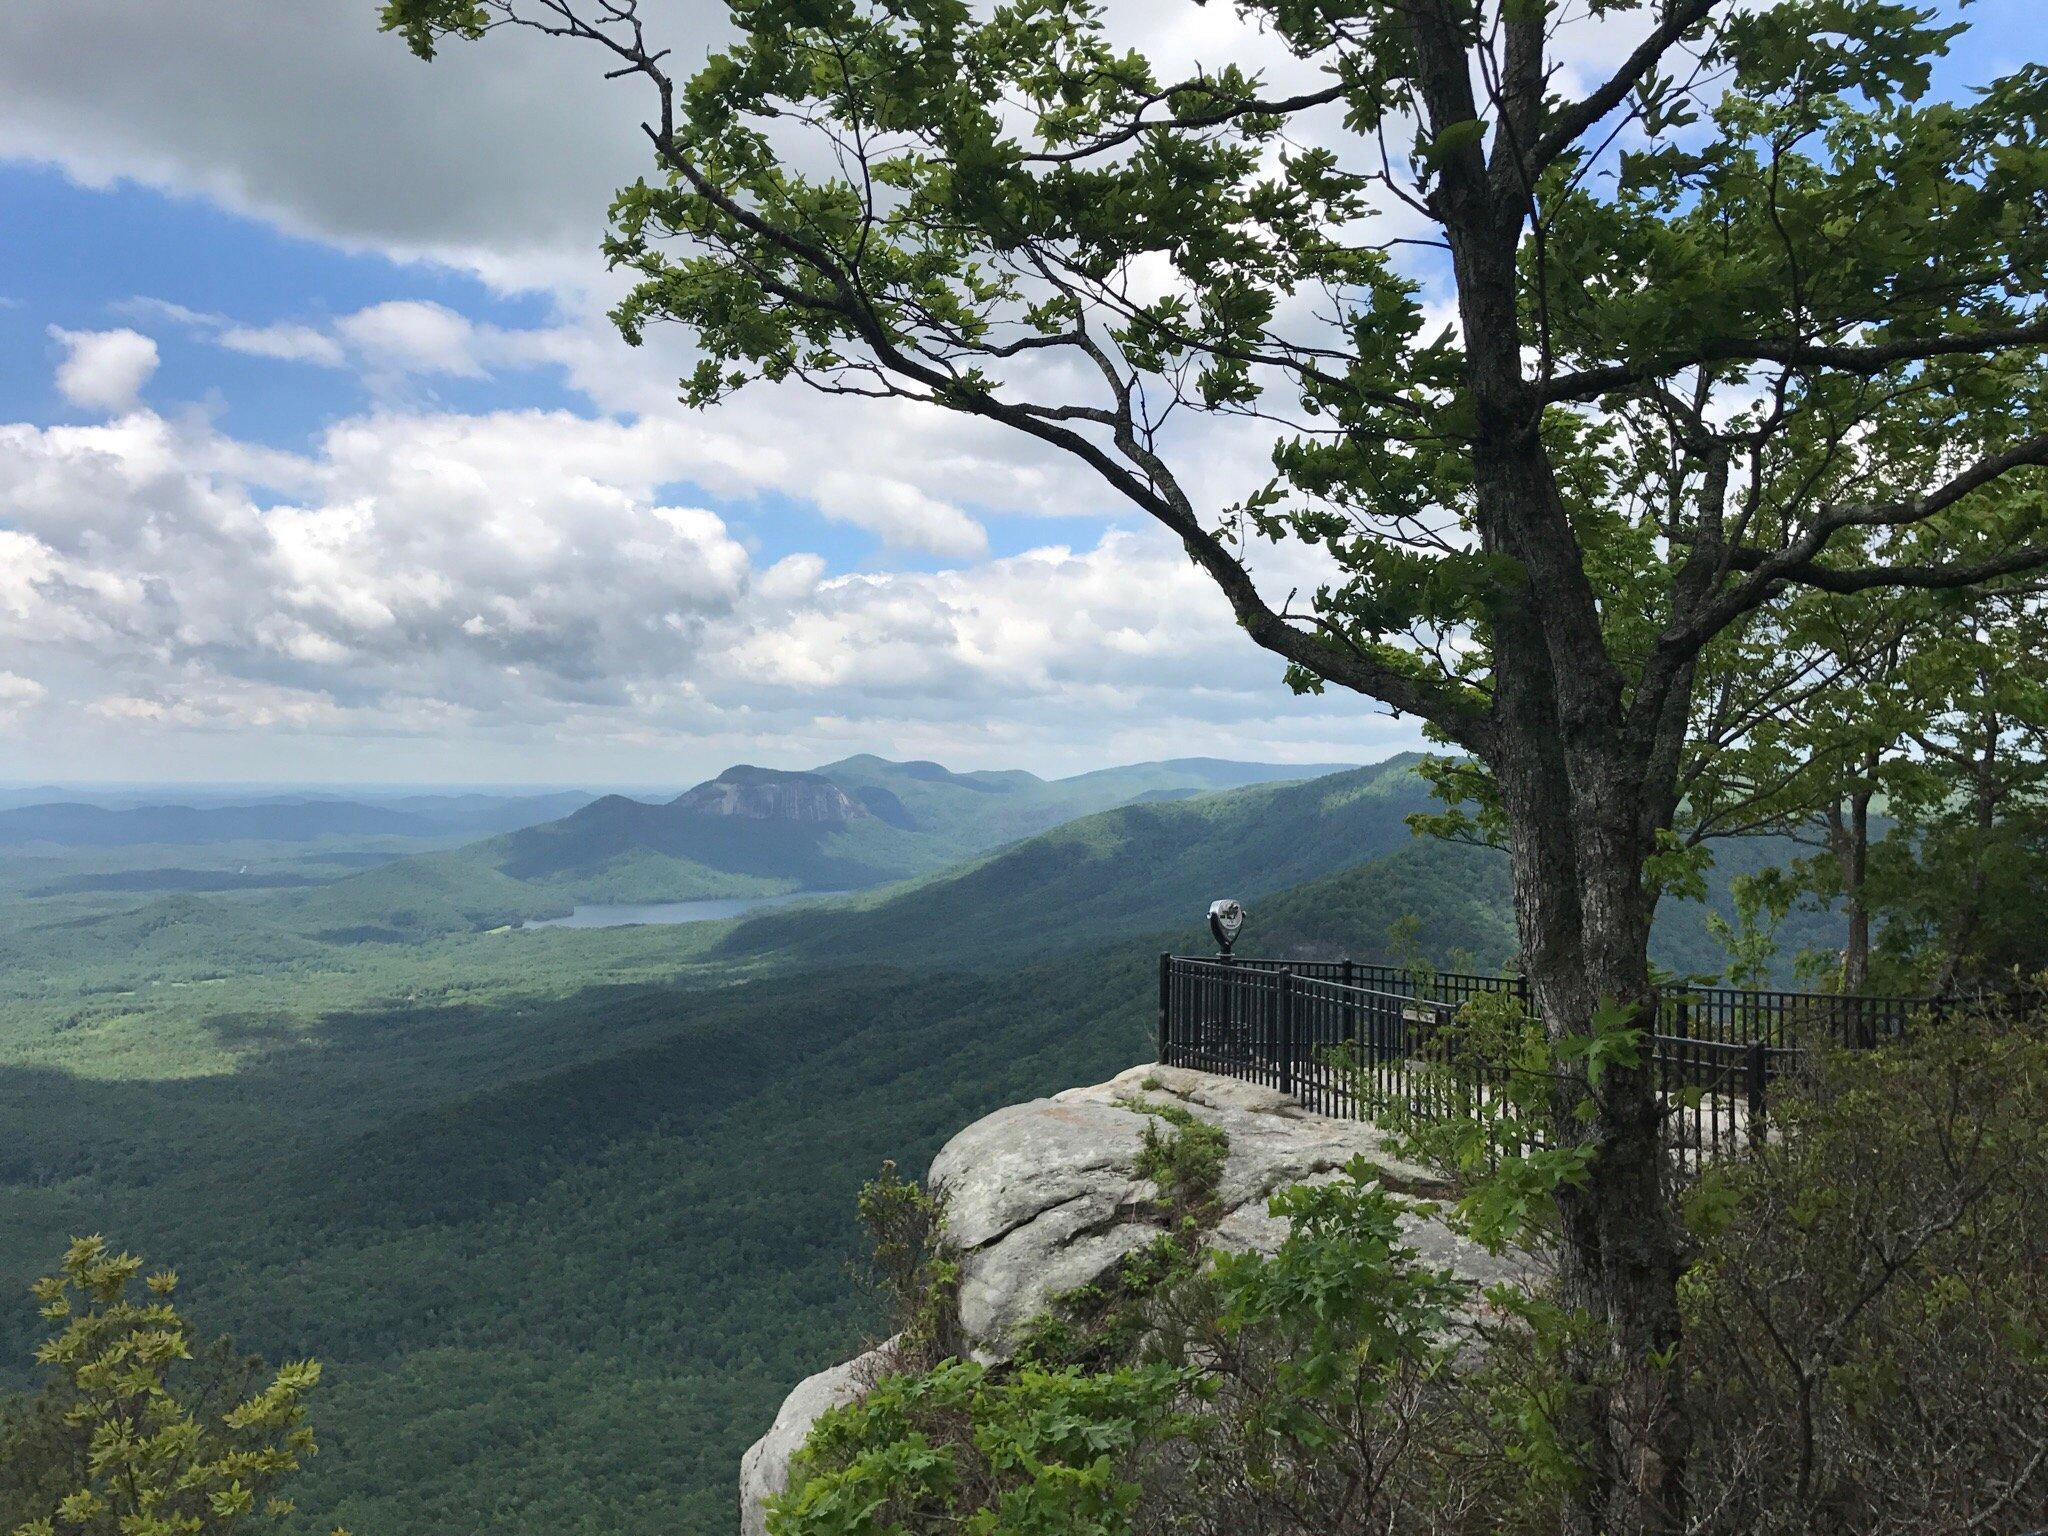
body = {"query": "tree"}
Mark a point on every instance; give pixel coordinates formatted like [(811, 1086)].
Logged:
[(1927, 711), (118, 1444), (1748, 315), (1965, 879), (1797, 716), (43, 1452)]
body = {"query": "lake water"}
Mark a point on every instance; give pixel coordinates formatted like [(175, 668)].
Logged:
[(639, 914)]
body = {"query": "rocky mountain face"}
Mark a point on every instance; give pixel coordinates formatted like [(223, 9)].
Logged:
[(768, 794), (1045, 1197)]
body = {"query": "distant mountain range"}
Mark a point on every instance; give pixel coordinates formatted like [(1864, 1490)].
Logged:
[(1328, 868), (1147, 866), (849, 825), (939, 868), (76, 824), (509, 1180)]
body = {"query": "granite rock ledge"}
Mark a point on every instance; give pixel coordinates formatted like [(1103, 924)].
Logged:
[(1048, 1196)]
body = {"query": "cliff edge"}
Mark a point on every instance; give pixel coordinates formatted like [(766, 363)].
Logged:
[(1045, 1197)]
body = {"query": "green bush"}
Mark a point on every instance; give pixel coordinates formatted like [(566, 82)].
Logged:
[(1250, 1388), (1868, 1318), (1866, 1351), (1030, 1452), (119, 1445)]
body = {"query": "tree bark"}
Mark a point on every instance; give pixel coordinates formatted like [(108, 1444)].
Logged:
[(1577, 789), (1849, 841), (1584, 916)]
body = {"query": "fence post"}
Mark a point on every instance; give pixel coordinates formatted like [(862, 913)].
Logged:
[(1236, 1028), (1165, 997), (1754, 1070), (1284, 1026)]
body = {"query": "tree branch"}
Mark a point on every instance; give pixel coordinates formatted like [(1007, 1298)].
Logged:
[(1591, 383), (1575, 119)]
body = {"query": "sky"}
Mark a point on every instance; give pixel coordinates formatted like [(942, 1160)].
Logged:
[(320, 463)]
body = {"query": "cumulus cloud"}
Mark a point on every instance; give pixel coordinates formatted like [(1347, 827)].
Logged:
[(530, 582), (413, 337), (519, 554), (523, 572), (103, 370), (18, 695), (499, 158)]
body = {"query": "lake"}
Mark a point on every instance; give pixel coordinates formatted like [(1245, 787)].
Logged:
[(639, 914)]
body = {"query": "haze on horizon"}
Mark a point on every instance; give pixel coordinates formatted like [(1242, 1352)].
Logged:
[(131, 789)]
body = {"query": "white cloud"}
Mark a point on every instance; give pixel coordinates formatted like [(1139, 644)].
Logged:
[(18, 695), (515, 589), (501, 159), (901, 513), (103, 370), (524, 592), (440, 556), (408, 336), (288, 343)]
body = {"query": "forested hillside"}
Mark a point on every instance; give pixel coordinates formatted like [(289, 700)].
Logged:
[(565, 1212), (748, 832), (1120, 872), (1346, 871)]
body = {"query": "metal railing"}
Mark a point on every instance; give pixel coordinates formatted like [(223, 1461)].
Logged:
[(1360, 1040)]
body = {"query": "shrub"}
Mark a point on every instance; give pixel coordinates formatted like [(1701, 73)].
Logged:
[(915, 1271), (1868, 1318), (121, 1437), (1239, 1395), (1865, 1352)]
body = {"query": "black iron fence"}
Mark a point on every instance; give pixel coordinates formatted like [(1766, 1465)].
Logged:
[(1360, 1040)]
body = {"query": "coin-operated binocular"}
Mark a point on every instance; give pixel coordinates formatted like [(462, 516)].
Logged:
[(1226, 921)]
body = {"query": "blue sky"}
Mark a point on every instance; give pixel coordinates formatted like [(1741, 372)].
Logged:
[(323, 465), (92, 251), (184, 250)]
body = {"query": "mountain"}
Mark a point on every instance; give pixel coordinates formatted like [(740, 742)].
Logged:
[(77, 824), (862, 822), (973, 812), (768, 794), (749, 831), (1328, 867), (564, 1212), (1136, 869)]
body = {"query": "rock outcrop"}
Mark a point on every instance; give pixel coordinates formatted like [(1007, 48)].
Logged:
[(764, 1470), (1045, 1197), (771, 794), (1048, 1196)]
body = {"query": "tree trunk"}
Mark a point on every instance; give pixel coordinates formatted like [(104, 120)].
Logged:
[(1849, 841), (1578, 797), (1583, 913), (1985, 798)]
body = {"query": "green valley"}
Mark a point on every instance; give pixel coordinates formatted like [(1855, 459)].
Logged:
[(566, 1211)]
